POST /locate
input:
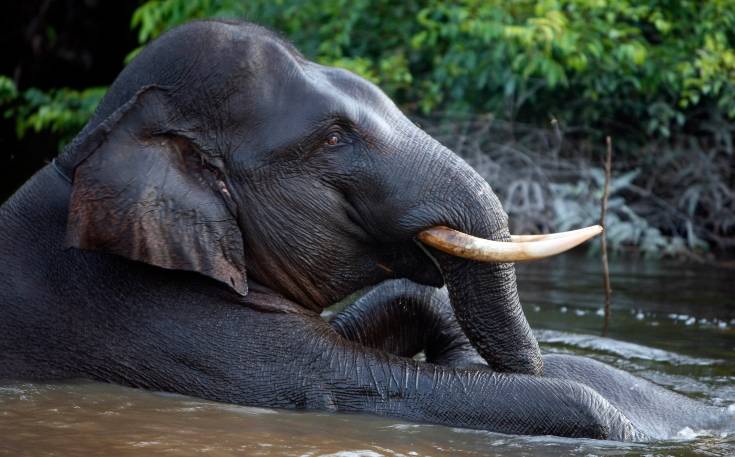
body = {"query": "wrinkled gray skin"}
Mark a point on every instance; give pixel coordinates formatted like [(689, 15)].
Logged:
[(404, 318), (225, 192)]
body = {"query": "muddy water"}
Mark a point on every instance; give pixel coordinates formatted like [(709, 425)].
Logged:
[(674, 325)]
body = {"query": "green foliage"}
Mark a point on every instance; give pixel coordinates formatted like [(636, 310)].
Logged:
[(59, 110), (62, 112), (588, 63), (8, 91), (646, 66)]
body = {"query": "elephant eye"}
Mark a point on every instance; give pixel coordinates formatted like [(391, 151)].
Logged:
[(333, 139)]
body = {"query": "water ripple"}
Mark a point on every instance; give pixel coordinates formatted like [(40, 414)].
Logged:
[(620, 348)]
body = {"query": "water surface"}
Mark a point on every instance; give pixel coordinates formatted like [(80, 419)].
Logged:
[(672, 324)]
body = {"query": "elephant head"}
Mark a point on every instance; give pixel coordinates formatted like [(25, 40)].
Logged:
[(221, 150)]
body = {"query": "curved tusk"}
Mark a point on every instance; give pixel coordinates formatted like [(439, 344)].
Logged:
[(551, 236), (469, 247)]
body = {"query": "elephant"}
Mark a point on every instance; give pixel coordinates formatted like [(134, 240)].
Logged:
[(224, 193)]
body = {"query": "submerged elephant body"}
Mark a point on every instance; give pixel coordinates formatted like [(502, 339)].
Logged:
[(656, 412), (405, 318), (226, 191)]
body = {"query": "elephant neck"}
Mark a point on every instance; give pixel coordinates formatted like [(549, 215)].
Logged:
[(43, 199), (33, 221)]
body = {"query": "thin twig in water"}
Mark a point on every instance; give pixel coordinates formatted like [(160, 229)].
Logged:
[(603, 239)]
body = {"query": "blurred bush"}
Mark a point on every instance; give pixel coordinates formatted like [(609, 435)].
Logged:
[(656, 75), (60, 111), (645, 66), (681, 204)]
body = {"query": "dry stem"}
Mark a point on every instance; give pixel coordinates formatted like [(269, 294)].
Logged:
[(603, 239)]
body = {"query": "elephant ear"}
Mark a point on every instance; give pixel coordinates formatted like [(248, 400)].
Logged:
[(144, 191)]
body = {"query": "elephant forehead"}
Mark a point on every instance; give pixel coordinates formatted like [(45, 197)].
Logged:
[(355, 98), (297, 101)]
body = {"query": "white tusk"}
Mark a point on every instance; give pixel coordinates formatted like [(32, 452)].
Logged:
[(551, 236), (522, 248)]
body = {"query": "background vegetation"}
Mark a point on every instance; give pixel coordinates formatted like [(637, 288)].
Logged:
[(527, 87)]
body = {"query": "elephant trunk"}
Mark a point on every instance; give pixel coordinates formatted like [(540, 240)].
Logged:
[(484, 295), (485, 301)]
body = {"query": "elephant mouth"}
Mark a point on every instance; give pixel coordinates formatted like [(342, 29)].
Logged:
[(521, 248)]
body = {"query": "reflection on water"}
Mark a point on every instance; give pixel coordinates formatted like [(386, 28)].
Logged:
[(671, 324)]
